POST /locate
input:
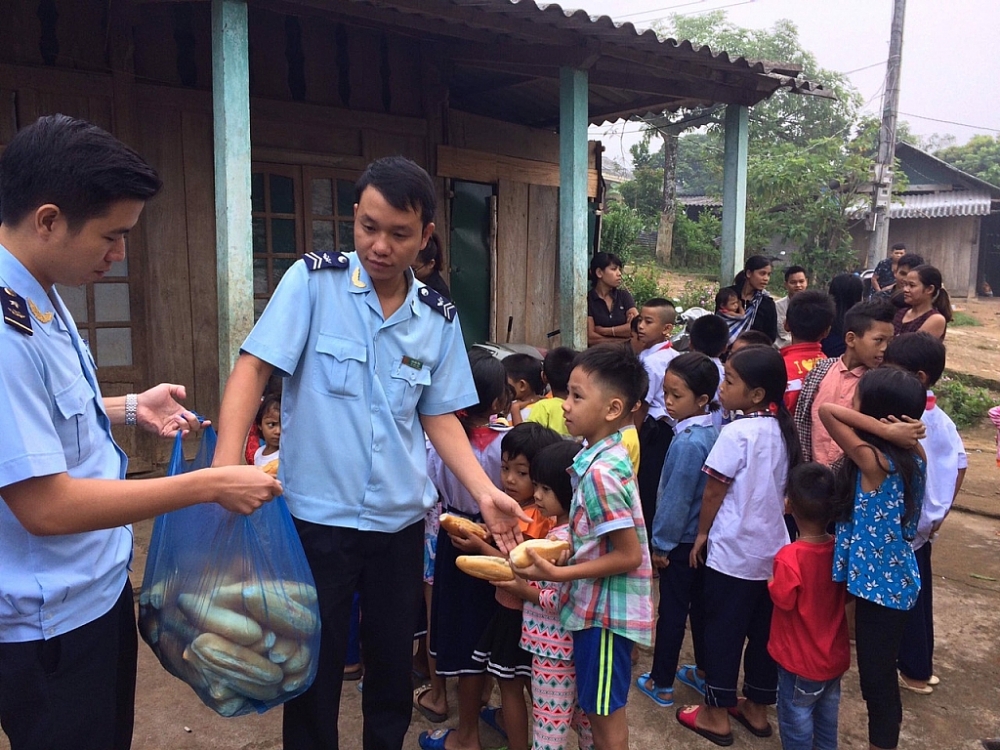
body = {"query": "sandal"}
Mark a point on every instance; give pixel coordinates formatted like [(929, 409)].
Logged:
[(688, 674), (433, 740), (435, 717), (925, 689), (353, 674), (687, 717), (735, 712), (661, 696), (489, 717)]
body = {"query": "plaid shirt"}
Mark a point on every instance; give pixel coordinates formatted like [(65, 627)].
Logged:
[(606, 499), (803, 407)]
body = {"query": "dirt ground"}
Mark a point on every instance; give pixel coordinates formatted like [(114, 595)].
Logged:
[(963, 709)]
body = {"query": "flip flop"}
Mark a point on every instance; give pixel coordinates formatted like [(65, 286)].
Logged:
[(735, 712), (489, 717), (353, 675), (433, 740), (934, 680), (925, 690), (661, 696), (688, 674), (428, 713), (687, 716)]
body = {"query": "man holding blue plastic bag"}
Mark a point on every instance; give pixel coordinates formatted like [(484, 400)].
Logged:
[(69, 194), (373, 359)]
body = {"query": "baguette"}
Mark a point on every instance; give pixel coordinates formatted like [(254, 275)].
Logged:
[(459, 526), (271, 467), (295, 681), (279, 613), (548, 549), (230, 706), (297, 661), (266, 642), (487, 567), (231, 625), (282, 650), (226, 657)]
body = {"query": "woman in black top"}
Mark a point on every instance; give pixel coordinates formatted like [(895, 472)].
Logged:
[(427, 267), (610, 308), (756, 305), (846, 290)]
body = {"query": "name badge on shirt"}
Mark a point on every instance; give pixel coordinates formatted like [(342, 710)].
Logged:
[(416, 364)]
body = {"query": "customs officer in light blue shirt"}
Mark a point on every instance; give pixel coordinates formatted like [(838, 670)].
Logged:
[(373, 359), (69, 194)]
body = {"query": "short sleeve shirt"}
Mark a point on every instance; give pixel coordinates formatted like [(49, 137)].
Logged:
[(55, 423), (656, 360), (837, 387), (606, 499), (548, 412), (353, 450), (621, 303)]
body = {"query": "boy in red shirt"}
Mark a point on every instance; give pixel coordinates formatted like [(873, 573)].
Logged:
[(809, 317), (809, 638)]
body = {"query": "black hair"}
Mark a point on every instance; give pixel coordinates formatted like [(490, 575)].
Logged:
[(404, 184), (753, 263), (723, 296), (930, 276), (634, 324), (557, 366), (271, 399), (527, 368), (917, 352), (431, 252), (617, 369), (490, 379), (882, 393), (810, 315), (526, 439), (74, 165), (699, 373), (862, 316), (899, 246), (754, 338), (792, 270), (910, 260), (811, 492), (643, 381), (662, 306), (846, 290), (551, 468), (709, 335), (763, 367), (599, 262)]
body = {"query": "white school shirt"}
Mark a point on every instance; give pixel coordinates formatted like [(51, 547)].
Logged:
[(260, 459), (749, 529), (945, 458), (656, 359), (719, 416)]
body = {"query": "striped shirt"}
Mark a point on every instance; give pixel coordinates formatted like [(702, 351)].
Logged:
[(606, 499)]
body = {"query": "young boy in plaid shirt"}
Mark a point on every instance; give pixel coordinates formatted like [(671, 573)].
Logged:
[(607, 603)]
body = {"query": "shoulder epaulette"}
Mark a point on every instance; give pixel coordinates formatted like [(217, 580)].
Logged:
[(326, 259), (437, 301), (15, 311)]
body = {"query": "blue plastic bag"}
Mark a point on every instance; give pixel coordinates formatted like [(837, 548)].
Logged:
[(228, 602)]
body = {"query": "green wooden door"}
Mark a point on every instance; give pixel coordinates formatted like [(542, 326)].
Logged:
[(470, 258)]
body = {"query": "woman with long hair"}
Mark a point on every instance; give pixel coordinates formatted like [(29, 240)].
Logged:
[(756, 307), (928, 306), (846, 290), (610, 307)]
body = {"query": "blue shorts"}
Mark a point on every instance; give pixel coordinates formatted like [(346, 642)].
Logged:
[(603, 670)]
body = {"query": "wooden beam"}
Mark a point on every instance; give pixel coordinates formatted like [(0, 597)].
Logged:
[(573, 246), (480, 166), (234, 238), (734, 192)]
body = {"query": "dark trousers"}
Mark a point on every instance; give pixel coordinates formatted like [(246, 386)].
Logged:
[(916, 652), (878, 631), (654, 440), (75, 691), (680, 594), (737, 612), (385, 569)]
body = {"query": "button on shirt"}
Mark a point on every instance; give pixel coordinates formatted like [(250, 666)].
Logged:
[(352, 449), (55, 423)]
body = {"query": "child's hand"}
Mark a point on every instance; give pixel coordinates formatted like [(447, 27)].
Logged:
[(518, 587), (660, 561), (471, 545), (697, 549), (540, 569), (905, 433)]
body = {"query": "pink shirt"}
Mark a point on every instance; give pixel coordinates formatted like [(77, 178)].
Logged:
[(837, 387)]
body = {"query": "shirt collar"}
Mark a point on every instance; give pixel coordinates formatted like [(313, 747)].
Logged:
[(589, 454), (698, 420), (855, 371), (931, 400), (361, 283), (16, 277)]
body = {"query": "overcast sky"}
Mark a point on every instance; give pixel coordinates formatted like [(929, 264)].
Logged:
[(951, 64)]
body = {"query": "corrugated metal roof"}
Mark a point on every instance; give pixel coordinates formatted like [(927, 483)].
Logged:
[(940, 205), (710, 201)]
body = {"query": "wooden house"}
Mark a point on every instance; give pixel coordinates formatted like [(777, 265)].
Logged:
[(260, 115)]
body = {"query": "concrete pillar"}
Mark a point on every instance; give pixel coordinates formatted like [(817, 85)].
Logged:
[(734, 192), (573, 246), (234, 238)]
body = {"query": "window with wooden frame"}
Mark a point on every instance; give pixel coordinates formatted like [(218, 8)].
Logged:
[(102, 312), (296, 210)]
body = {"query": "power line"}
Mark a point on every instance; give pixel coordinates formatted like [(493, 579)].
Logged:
[(951, 122), (657, 10), (866, 67)]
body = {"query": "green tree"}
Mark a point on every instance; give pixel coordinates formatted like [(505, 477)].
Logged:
[(699, 164), (979, 157), (644, 191)]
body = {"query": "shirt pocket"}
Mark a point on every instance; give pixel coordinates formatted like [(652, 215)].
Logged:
[(405, 386), (341, 366), (71, 422)]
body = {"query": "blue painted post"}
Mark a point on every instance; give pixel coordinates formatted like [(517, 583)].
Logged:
[(573, 247), (734, 192), (233, 234)]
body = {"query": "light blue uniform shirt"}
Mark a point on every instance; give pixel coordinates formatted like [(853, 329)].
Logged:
[(352, 448), (54, 422)]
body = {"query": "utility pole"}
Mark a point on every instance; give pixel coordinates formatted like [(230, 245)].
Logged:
[(878, 217)]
